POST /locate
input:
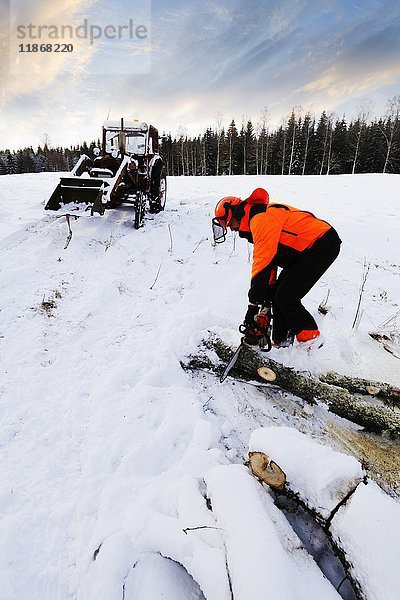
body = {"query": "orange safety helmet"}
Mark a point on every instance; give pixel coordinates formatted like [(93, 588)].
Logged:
[(226, 208), (259, 196)]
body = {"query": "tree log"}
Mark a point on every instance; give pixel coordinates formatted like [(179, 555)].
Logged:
[(363, 386), (372, 415)]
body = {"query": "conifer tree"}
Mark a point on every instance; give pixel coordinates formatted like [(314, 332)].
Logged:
[(339, 158), (298, 146), (3, 167), (233, 146), (307, 132), (250, 148)]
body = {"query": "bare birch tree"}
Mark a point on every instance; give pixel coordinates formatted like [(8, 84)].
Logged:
[(284, 132), (218, 120), (245, 119), (328, 130), (363, 116), (391, 127), (330, 138), (257, 132), (263, 123), (182, 134)]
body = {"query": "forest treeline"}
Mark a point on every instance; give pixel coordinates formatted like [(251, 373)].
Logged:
[(301, 145)]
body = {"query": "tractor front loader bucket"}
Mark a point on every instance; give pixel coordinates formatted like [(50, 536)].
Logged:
[(77, 191)]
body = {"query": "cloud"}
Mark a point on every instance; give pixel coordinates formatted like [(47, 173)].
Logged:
[(209, 56), (56, 92), (336, 82), (365, 62), (27, 75)]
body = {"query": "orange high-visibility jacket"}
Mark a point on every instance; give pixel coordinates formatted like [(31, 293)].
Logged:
[(280, 233)]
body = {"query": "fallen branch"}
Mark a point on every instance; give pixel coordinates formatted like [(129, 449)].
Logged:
[(323, 307), (375, 417), (155, 281), (200, 527), (170, 238), (357, 317), (203, 239), (388, 341), (69, 236)]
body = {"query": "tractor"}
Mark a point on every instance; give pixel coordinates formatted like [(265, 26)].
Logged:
[(126, 170)]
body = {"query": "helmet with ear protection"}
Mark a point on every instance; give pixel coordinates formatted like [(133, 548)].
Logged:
[(226, 209), (231, 207)]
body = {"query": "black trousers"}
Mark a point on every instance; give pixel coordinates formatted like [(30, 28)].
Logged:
[(295, 281)]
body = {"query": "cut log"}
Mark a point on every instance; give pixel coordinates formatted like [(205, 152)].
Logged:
[(267, 470), (372, 415)]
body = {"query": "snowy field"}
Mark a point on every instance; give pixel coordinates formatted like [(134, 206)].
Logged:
[(109, 449)]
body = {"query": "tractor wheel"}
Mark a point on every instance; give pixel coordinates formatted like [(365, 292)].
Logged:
[(140, 209), (158, 193)]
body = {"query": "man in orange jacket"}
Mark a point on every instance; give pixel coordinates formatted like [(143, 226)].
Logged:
[(295, 240)]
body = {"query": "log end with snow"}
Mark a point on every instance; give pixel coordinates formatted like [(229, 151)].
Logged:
[(320, 476)]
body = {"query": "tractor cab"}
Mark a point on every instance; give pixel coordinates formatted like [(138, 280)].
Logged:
[(130, 137)]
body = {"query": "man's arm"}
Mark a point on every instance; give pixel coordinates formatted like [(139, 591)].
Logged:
[(266, 229)]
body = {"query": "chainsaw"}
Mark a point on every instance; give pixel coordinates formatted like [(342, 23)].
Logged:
[(259, 335)]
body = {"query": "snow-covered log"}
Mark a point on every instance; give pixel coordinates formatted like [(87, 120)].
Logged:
[(371, 414), (265, 557), (319, 476), (355, 385), (367, 530), (155, 576), (361, 520)]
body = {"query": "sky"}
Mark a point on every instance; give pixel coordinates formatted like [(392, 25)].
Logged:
[(190, 61)]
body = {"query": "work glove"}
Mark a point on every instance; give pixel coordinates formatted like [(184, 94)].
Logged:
[(249, 327), (263, 319), (256, 327), (249, 319)]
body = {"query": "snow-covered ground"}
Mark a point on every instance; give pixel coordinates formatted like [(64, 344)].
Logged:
[(107, 445)]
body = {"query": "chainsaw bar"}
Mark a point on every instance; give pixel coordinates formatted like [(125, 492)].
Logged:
[(231, 363)]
